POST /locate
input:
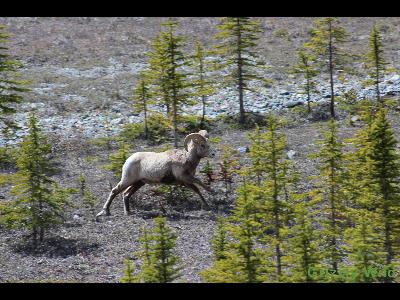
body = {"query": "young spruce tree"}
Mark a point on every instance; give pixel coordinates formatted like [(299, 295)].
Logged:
[(203, 82), (39, 201), (327, 35), (275, 176), (10, 87), (330, 186), (385, 179), (373, 188), (375, 62), (242, 259), (142, 100), (238, 38), (160, 264), (303, 254), (306, 67), (167, 62)]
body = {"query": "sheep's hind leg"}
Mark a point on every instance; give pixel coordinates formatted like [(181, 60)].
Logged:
[(114, 192), (128, 194), (197, 191)]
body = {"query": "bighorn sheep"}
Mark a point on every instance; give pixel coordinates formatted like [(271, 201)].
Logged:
[(177, 166)]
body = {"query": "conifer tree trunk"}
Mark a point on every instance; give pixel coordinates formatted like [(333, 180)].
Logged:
[(308, 94), (203, 97), (388, 229), (240, 74), (332, 106), (333, 228), (276, 210), (146, 129), (175, 118), (203, 101), (378, 93)]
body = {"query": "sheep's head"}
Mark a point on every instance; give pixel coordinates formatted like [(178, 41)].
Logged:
[(198, 141)]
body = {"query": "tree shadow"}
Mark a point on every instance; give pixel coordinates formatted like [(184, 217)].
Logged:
[(55, 247), (175, 212)]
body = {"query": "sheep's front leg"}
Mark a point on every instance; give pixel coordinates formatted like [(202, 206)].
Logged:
[(128, 194), (192, 179), (197, 191)]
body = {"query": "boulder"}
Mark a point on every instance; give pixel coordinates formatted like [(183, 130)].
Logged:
[(294, 103)]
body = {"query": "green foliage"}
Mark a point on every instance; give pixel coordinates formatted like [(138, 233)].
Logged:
[(39, 200), (228, 167), (330, 186), (118, 159), (278, 175), (374, 192), (173, 192), (364, 242), (374, 60), (303, 245), (238, 38), (160, 264), (142, 99), (384, 176), (215, 139), (82, 184), (7, 155), (306, 67), (129, 276), (166, 73), (219, 242), (158, 130), (208, 171), (204, 84), (349, 102), (282, 33), (326, 37), (243, 259), (10, 87), (89, 199), (192, 123)]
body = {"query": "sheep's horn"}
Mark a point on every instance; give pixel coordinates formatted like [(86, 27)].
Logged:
[(203, 133), (192, 136)]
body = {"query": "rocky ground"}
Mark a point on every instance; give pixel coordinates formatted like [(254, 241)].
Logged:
[(82, 250), (82, 72)]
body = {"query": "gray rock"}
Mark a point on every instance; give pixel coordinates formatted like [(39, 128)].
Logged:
[(291, 154), (291, 104), (243, 149)]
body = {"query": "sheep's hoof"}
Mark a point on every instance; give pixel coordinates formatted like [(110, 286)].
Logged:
[(102, 213)]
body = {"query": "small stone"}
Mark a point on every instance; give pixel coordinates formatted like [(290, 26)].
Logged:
[(243, 149), (291, 154)]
